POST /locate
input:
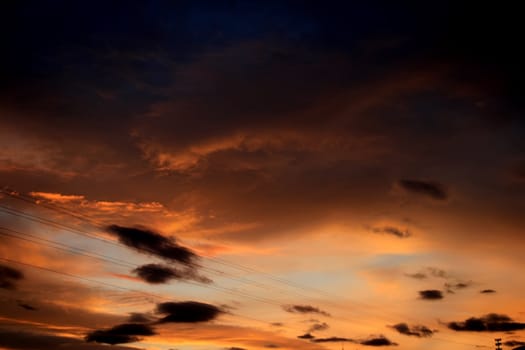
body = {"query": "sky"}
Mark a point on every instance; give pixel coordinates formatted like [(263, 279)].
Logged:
[(253, 175)]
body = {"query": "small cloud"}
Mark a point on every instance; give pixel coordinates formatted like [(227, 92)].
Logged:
[(272, 346), (416, 330), (304, 309), (380, 340), (317, 327), (277, 324), (489, 323), (159, 274), (332, 340), (429, 272), (120, 334), (391, 230), (9, 277), (187, 311), (417, 275), (452, 287), (487, 291), (431, 294), (234, 348), (306, 336), (430, 189)]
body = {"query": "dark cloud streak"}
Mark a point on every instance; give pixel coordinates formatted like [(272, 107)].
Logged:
[(431, 294), (304, 309), (158, 274), (187, 312), (430, 189), (153, 243)]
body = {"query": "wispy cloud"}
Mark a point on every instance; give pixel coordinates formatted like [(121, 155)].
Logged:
[(304, 309), (419, 331)]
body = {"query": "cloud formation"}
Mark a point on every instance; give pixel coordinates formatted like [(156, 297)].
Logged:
[(304, 309), (9, 276), (153, 243), (187, 311), (120, 334), (419, 331), (488, 323), (158, 274), (433, 190), (431, 294)]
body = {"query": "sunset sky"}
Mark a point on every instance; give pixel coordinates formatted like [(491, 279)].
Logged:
[(255, 175)]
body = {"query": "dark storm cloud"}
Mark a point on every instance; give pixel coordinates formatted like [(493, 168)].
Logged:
[(22, 340), (158, 274), (188, 99), (487, 291), (391, 230), (513, 343), (306, 336), (150, 242), (316, 327), (9, 276), (378, 341), (123, 333), (416, 330), (304, 309), (488, 323), (431, 294), (187, 311), (434, 190)]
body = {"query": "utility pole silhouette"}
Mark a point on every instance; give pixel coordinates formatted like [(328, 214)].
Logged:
[(498, 343)]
